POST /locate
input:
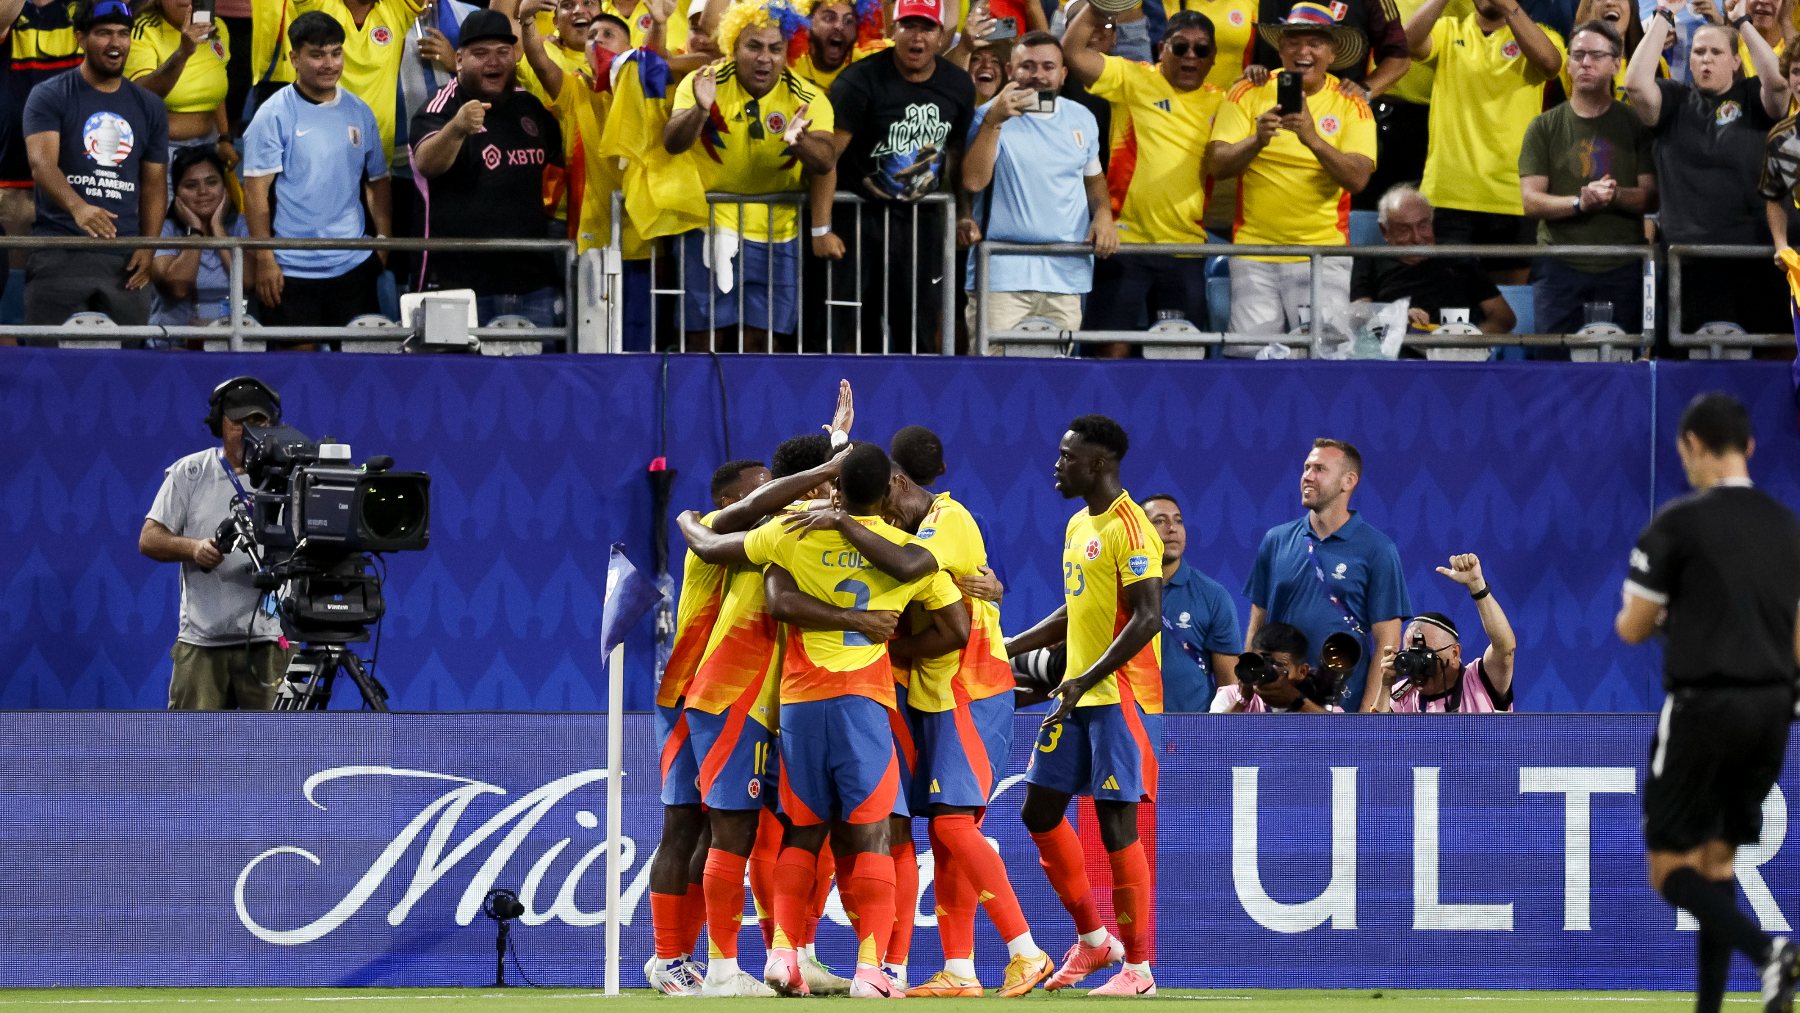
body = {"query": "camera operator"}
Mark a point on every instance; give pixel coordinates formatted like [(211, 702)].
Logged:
[(227, 652), (1429, 669), (1274, 677)]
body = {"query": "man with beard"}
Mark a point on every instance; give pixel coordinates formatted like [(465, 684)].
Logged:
[(902, 115), (753, 127), (98, 146), (830, 44), (1492, 65), (481, 151)]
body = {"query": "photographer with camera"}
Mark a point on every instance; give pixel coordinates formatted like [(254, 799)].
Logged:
[(1274, 677), (228, 653), (1428, 676)]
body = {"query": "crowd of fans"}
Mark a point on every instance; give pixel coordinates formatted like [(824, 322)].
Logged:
[(1171, 122)]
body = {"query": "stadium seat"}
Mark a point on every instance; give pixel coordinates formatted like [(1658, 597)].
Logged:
[(1218, 303), (1365, 228), (90, 320), (505, 347), (224, 344), (1519, 298), (382, 345)]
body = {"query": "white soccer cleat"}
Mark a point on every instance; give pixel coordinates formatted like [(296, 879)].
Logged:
[(671, 977), (735, 985)]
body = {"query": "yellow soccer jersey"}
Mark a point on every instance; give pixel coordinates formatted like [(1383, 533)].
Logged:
[(1234, 33), (743, 653), (702, 593), (1156, 173), (1286, 197), (572, 62), (372, 54), (1485, 94), (741, 150), (1102, 556), (821, 664), (201, 86), (980, 670), (638, 19), (804, 67), (269, 21)]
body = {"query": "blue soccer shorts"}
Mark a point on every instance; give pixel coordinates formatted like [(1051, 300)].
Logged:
[(963, 751), (737, 759), (1107, 751), (680, 771), (838, 762), (903, 721)]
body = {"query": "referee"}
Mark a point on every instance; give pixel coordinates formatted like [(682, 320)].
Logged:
[(1719, 571)]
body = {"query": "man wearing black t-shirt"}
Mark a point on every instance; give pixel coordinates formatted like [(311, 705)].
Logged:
[(1432, 283), (1718, 571), (902, 115), (483, 146), (98, 146)]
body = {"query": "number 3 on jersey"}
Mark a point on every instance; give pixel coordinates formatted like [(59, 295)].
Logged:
[(860, 592), (1074, 581)]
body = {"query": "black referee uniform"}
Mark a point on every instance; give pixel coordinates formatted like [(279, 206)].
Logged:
[(1725, 563)]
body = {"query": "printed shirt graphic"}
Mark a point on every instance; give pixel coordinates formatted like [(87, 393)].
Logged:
[(1102, 556), (1156, 173), (1286, 196), (202, 85), (980, 670), (696, 614), (743, 652), (741, 153), (821, 664), (1484, 96), (104, 140), (902, 130)]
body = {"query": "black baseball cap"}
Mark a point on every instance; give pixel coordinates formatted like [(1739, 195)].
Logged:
[(245, 400), (482, 25)]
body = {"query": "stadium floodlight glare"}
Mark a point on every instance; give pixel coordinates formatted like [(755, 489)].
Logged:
[(502, 906)]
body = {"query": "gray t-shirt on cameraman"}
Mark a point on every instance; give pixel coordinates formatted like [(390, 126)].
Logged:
[(216, 607)]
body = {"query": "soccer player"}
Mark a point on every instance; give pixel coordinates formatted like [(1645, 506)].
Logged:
[(837, 753), (961, 707), (677, 900), (1718, 572), (1099, 740)]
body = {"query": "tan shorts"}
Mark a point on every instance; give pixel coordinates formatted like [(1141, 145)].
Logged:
[(227, 678), (1007, 309)]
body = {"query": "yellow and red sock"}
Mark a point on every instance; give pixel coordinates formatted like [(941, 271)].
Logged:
[(955, 899), (1059, 852), (793, 896), (763, 856), (967, 851), (871, 883), (1131, 900), (668, 914), (724, 901), (906, 900)]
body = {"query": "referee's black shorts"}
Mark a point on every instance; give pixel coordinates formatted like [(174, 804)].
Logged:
[(1715, 756)]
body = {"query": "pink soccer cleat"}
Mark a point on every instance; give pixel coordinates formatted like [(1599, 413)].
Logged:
[(781, 972), (1127, 982), (1083, 960), (873, 983)]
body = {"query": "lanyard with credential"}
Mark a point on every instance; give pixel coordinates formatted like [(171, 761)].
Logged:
[(1350, 620), (265, 601)]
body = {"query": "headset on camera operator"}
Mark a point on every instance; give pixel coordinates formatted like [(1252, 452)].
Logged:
[(1428, 676), (228, 653), (1274, 677)]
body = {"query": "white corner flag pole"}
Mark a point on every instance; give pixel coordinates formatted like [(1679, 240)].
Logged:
[(615, 806)]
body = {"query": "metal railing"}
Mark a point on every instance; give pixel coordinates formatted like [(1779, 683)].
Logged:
[(845, 282), (239, 327), (1713, 341), (987, 338)]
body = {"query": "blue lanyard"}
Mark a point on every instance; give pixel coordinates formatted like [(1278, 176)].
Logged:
[(1344, 612), (242, 496)]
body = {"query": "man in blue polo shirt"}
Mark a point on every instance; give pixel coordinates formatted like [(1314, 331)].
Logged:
[(1033, 162), (1329, 572), (1200, 644), (306, 156)]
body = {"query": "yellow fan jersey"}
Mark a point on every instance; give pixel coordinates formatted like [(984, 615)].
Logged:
[(1286, 197), (201, 86), (741, 150), (821, 664), (702, 594), (269, 21), (1157, 170), (980, 670), (1485, 94), (372, 53), (1102, 556), (572, 61), (1234, 35)]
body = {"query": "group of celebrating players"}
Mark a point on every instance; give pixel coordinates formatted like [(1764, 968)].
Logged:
[(839, 668)]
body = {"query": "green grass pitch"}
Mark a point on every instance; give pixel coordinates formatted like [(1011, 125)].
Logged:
[(480, 1000)]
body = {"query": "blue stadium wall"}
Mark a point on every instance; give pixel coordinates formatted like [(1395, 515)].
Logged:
[(355, 849), (1548, 471)]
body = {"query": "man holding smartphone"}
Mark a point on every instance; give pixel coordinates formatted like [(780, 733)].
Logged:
[(1303, 147)]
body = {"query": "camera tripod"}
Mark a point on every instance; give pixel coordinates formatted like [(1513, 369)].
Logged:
[(314, 670)]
